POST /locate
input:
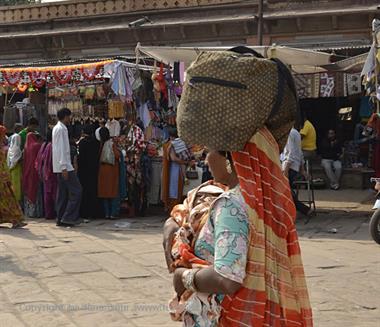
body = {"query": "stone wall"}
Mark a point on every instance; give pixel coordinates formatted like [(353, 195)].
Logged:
[(82, 8)]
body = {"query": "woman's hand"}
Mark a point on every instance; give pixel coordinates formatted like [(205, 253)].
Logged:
[(170, 228), (177, 281)]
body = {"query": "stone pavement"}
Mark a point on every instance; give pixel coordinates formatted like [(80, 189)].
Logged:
[(104, 275)]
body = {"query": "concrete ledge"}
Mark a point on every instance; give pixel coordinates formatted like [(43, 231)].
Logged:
[(351, 178)]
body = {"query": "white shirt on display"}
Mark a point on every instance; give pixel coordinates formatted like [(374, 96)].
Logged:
[(61, 149), (97, 133), (114, 127)]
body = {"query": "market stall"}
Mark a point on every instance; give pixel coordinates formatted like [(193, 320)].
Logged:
[(136, 102), (330, 90), (371, 82)]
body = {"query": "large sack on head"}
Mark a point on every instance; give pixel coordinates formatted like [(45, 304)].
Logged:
[(229, 96)]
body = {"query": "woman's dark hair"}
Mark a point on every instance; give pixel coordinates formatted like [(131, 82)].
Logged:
[(173, 132), (104, 134), (33, 122), (227, 155), (62, 113), (89, 130)]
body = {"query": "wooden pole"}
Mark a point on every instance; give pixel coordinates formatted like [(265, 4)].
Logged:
[(260, 22), (6, 96)]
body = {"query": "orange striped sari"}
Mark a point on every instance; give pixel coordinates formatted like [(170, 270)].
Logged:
[(274, 292)]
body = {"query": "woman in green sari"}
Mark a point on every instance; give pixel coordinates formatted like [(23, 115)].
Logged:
[(10, 211)]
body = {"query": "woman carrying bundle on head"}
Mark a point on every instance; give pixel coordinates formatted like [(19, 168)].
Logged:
[(244, 267)]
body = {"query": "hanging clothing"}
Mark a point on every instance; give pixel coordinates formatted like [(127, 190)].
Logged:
[(327, 85), (136, 138), (144, 115), (114, 127), (172, 179), (115, 109), (88, 168), (119, 81), (30, 180), (181, 149)]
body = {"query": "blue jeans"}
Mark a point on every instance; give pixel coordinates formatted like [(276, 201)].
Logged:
[(111, 207)]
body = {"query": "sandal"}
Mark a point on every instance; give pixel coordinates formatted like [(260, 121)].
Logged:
[(19, 225)]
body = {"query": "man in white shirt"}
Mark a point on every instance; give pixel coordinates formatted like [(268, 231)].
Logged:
[(69, 188), (293, 165)]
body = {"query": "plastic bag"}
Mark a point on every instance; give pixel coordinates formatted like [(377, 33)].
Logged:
[(107, 156)]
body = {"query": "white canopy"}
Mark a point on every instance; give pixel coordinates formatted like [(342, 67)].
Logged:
[(301, 61)]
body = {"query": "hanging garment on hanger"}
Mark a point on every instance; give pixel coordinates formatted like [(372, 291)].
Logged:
[(114, 127), (119, 81), (115, 109), (144, 115)]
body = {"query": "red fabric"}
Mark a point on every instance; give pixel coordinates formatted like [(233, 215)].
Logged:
[(376, 159), (374, 123), (274, 294), (3, 131), (30, 175), (188, 256), (161, 80)]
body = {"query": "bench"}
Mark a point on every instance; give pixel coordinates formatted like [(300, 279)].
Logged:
[(356, 178)]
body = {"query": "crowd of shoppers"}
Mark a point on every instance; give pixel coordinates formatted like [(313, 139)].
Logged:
[(59, 177)]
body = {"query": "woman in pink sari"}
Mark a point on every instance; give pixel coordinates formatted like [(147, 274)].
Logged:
[(44, 167), (30, 181)]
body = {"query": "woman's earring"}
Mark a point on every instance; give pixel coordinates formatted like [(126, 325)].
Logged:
[(229, 168)]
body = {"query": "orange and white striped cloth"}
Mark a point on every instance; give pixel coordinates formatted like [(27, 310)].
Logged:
[(274, 292)]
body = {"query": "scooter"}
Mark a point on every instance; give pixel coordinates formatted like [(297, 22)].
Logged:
[(374, 224)]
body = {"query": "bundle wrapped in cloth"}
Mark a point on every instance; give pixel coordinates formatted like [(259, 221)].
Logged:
[(229, 95), (191, 216)]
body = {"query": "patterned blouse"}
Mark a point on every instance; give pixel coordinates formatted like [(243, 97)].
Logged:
[(223, 242)]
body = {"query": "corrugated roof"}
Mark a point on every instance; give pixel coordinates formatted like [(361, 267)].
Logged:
[(349, 65), (60, 62), (322, 12), (347, 47)]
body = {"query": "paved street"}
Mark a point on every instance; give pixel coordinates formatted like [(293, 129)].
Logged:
[(103, 275)]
